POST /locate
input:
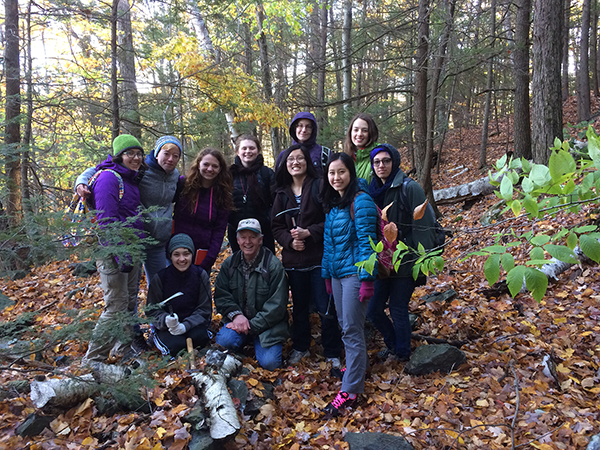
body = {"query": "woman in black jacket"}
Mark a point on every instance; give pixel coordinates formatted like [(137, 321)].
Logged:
[(253, 186), (297, 221)]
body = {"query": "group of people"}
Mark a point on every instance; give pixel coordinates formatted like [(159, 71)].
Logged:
[(320, 207)]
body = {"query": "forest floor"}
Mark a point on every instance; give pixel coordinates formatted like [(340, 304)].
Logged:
[(497, 399)]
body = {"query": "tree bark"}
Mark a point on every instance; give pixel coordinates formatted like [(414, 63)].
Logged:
[(210, 52), (565, 50), (546, 83), (213, 385), (114, 85), (12, 110), (488, 95), (27, 135), (594, 48), (322, 65), (347, 54), (129, 109), (266, 73), (583, 74), (440, 60), (423, 157), (522, 119)]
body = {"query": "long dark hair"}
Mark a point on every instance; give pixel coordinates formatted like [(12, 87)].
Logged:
[(349, 146), (282, 175), (222, 185), (329, 196)]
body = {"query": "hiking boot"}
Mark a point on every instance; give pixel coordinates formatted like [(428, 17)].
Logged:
[(337, 372), (385, 353), (335, 363), (340, 402), (296, 356), (139, 344)]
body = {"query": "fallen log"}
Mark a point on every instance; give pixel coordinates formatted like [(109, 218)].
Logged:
[(468, 191), (67, 392), (212, 382)]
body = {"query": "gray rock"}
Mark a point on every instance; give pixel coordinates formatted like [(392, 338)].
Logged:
[(201, 440), (19, 274), (83, 270), (33, 425), (197, 416), (441, 296), (5, 302), (376, 441), (253, 406), (19, 386), (432, 358), (493, 214), (413, 319), (239, 390)]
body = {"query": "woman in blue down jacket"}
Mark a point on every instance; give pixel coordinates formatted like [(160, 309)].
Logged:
[(351, 220)]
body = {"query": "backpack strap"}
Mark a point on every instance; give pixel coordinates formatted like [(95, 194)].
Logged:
[(116, 174), (325, 152)]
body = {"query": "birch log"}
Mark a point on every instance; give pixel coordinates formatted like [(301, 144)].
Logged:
[(66, 392), (212, 382)]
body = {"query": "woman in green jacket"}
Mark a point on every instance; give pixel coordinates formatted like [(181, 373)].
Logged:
[(361, 138)]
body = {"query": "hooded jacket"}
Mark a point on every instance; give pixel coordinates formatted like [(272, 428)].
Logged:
[(346, 241), (314, 149), (410, 231), (362, 161), (105, 194)]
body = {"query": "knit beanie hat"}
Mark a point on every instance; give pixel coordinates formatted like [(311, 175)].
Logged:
[(125, 142), (180, 240), (390, 150), (166, 140)]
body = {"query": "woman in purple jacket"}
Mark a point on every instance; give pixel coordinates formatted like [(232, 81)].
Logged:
[(116, 197), (297, 222), (202, 209)]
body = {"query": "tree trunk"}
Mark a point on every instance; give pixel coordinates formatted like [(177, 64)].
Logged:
[(12, 110), (27, 136), (114, 86), (488, 95), (547, 101), (322, 65), (594, 48), (338, 68), (266, 73), (583, 74), (129, 109), (210, 52), (565, 50), (449, 7), (347, 54), (423, 157), (522, 119)]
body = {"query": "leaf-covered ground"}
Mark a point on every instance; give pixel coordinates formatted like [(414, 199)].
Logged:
[(499, 397)]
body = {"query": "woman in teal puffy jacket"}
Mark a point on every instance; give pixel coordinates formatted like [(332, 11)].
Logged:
[(351, 220)]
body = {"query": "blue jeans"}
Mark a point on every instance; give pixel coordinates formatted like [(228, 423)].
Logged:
[(156, 259), (305, 286), (396, 332), (269, 358)]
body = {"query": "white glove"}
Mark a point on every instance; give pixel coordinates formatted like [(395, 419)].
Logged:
[(177, 330), (172, 320)]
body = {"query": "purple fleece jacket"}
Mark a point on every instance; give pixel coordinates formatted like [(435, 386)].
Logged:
[(203, 222), (106, 194)]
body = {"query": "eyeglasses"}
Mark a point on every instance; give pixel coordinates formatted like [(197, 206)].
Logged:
[(299, 159), (133, 155), (380, 162)]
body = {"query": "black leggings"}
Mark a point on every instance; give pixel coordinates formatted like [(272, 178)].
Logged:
[(168, 343)]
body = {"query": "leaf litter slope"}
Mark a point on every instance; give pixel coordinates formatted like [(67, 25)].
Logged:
[(474, 406)]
